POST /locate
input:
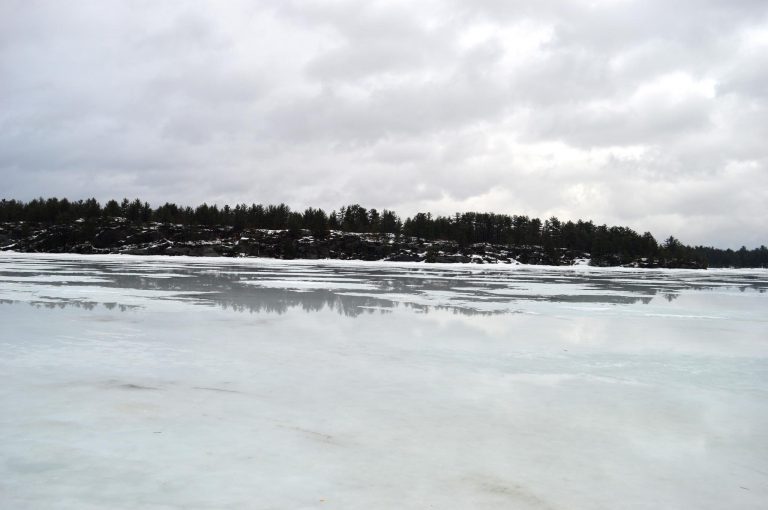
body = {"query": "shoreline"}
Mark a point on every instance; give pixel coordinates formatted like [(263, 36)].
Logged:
[(475, 267)]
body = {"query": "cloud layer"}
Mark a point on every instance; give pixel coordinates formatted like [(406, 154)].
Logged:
[(645, 113)]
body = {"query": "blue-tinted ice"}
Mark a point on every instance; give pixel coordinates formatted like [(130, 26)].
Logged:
[(167, 383)]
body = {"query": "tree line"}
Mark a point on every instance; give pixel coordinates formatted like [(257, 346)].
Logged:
[(463, 228)]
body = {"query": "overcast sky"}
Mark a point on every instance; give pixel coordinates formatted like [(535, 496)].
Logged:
[(647, 113)]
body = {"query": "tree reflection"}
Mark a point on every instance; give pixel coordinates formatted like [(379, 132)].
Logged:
[(356, 290)]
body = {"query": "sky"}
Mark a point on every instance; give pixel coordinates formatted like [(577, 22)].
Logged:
[(650, 113)]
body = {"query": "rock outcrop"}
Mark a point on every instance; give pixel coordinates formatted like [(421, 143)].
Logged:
[(116, 235)]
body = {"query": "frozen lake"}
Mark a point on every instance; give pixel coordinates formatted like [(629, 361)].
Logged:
[(165, 383)]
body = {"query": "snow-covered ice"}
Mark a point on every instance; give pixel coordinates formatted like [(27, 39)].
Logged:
[(170, 383)]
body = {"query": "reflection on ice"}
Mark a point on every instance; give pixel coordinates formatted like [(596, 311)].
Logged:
[(349, 288)]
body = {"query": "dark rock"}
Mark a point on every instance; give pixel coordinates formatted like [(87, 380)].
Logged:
[(119, 236)]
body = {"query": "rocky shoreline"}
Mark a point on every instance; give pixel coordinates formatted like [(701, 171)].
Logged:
[(115, 235)]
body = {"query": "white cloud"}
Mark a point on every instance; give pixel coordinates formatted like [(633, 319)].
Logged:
[(643, 113)]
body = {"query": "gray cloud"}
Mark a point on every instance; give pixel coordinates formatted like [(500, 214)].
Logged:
[(646, 113)]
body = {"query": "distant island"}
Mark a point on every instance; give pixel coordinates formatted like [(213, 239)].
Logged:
[(353, 232)]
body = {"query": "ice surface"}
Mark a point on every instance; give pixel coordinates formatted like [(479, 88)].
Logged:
[(164, 383)]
